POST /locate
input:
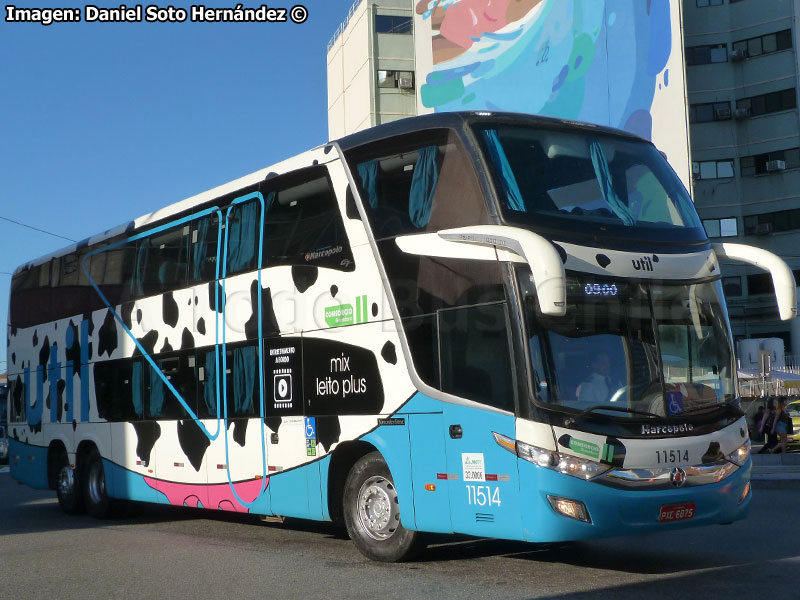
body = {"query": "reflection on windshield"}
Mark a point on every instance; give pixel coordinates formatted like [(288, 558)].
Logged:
[(575, 176), (643, 346)]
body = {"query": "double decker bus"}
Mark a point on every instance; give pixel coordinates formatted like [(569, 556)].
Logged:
[(479, 323)]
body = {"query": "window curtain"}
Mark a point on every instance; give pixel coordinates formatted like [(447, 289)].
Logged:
[(603, 175), (137, 388), (423, 186), (244, 379), (242, 237), (200, 249), (141, 267), (210, 389), (156, 393), (369, 181), (507, 179)]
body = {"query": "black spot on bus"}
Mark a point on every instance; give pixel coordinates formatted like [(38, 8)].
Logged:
[(328, 148), (561, 253), (655, 258), (130, 226), (269, 322), (270, 175), (35, 338), (315, 163), (44, 356), (328, 431), (107, 336), (304, 277), (166, 347), (13, 358), (139, 316), (73, 351), (201, 326), (127, 312), (193, 441), (389, 353), (169, 309), (334, 291), (147, 433), (74, 424), (196, 300), (603, 260), (187, 339), (62, 406), (273, 423), (239, 430), (374, 309), (214, 291), (148, 342)]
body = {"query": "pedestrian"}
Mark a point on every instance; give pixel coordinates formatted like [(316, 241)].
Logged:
[(755, 431), (766, 428), (780, 427)]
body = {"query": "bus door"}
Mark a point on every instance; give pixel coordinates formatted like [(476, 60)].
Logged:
[(482, 476)]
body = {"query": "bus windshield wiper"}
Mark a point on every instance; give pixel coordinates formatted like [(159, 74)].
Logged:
[(710, 408), (591, 409)]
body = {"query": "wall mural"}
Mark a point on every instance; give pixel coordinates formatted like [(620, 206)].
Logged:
[(601, 61)]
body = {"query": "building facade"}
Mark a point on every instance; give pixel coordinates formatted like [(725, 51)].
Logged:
[(742, 84), (371, 67)]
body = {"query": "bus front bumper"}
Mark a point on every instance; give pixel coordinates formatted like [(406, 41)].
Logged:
[(615, 512)]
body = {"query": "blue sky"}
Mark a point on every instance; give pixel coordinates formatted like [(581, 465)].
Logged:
[(106, 122)]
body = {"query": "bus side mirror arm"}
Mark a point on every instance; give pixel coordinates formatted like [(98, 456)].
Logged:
[(782, 278), (540, 254)]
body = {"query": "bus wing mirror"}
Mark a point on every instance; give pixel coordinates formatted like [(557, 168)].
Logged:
[(782, 278), (542, 257)]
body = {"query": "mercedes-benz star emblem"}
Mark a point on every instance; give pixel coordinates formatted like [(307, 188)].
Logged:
[(677, 477)]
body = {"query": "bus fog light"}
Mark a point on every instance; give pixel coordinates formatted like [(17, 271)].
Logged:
[(745, 493), (574, 509), (741, 455)]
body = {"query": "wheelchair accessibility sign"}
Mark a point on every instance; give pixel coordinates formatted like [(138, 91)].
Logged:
[(311, 436)]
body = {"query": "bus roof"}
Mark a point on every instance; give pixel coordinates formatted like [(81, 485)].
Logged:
[(452, 120)]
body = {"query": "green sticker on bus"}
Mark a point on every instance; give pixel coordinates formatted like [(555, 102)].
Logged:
[(343, 314), (586, 448)]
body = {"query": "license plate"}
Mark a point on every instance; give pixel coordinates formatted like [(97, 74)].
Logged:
[(676, 512)]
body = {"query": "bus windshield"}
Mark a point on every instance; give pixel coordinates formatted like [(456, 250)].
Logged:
[(645, 346), (587, 183)]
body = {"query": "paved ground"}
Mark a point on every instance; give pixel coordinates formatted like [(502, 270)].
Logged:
[(165, 552)]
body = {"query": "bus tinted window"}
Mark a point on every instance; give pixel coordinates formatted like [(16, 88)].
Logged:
[(303, 224), (163, 260), (243, 222), (204, 249), (418, 183)]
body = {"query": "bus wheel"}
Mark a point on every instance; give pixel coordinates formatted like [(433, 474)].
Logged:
[(93, 477), (372, 513), (67, 488)]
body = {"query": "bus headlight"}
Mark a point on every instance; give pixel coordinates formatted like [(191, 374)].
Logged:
[(568, 465), (741, 455)]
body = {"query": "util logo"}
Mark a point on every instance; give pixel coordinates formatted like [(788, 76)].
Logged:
[(643, 264)]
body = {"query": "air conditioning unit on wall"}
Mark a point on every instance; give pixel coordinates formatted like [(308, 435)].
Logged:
[(742, 113), (776, 165), (405, 80), (738, 54)]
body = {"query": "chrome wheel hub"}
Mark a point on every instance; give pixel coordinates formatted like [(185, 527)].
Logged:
[(97, 483), (378, 510)]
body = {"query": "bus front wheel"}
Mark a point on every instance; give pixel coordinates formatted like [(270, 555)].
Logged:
[(93, 477), (372, 513)]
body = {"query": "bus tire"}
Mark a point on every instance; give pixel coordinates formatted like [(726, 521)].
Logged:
[(372, 513), (68, 489), (93, 478)]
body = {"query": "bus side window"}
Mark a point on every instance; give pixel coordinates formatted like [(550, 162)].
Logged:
[(178, 370), (111, 270), (113, 388), (303, 225), (204, 248), (241, 378), (16, 399), (475, 355), (209, 383), (242, 237), (163, 261)]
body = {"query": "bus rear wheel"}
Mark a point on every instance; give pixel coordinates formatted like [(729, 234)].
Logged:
[(68, 489), (93, 478), (372, 513)]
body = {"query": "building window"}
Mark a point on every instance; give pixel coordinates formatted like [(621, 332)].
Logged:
[(763, 44), (712, 111), (782, 220), (712, 169), (703, 55), (721, 227), (732, 286), (396, 79), (768, 103), (704, 3), (393, 24), (760, 284), (770, 162)]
